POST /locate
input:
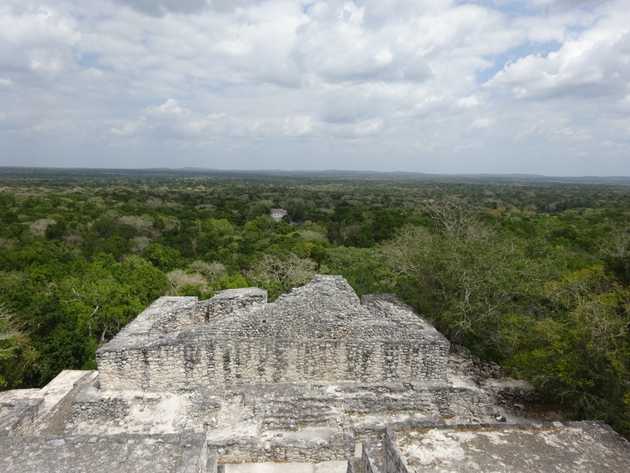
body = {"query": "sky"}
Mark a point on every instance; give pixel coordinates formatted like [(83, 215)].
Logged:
[(439, 86)]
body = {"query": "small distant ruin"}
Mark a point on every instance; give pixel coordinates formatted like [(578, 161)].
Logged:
[(278, 214), (318, 381)]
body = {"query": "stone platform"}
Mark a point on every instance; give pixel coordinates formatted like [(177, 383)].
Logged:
[(553, 447), (113, 453)]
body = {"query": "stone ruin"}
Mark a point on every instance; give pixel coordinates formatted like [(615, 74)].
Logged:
[(317, 381), (278, 214)]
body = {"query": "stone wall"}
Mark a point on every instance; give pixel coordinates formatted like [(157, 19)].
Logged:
[(99, 410), (181, 453), (231, 301), (18, 415), (394, 462), (320, 332), (282, 407), (367, 465), (314, 446), (220, 364)]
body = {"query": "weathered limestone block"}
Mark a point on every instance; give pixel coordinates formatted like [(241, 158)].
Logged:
[(231, 301), (367, 464), (186, 453), (577, 447), (320, 332), (28, 411), (18, 410), (394, 461), (312, 445)]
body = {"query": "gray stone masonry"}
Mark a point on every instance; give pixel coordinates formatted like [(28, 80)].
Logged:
[(278, 214), (320, 332), (572, 447), (18, 410), (111, 454), (394, 461)]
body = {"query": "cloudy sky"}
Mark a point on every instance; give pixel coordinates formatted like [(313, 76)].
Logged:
[(539, 86)]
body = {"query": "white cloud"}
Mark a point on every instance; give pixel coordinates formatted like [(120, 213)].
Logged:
[(37, 39), (171, 120), (363, 83), (174, 121), (161, 7), (482, 122), (597, 62), (469, 101)]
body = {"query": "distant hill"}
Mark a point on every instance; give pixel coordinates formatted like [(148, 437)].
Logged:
[(327, 174)]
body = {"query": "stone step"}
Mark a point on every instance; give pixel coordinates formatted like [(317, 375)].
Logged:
[(57, 399), (323, 467), (303, 445), (290, 414)]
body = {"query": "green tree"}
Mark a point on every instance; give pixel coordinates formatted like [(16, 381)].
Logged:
[(17, 355), (278, 274)]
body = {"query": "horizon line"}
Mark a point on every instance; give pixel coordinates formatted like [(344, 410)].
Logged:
[(315, 171)]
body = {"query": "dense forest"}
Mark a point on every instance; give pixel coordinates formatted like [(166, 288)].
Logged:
[(532, 275)]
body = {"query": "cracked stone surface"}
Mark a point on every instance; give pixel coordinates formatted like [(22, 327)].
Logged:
[(576, 447)]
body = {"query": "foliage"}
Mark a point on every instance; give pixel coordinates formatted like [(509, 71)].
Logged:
[(565, 331), (278, 274), (16, 353), (535, 276)]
